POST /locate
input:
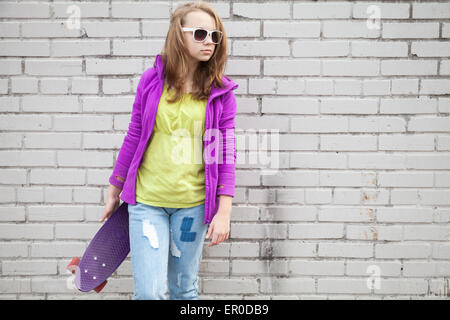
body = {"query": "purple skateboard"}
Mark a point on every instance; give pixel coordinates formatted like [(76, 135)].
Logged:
[(106, 251)]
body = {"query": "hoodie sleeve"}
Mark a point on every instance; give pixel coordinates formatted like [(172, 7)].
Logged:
[(130, 141), (226, 169)]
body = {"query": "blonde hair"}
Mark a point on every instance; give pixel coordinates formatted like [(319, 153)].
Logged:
[(175, 55)]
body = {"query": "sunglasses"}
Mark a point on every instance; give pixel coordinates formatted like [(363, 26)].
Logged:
[(200, 34)]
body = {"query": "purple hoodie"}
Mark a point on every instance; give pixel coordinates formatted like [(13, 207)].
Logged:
[(220, 114)]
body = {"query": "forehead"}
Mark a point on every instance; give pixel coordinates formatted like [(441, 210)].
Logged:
[(199, 19)]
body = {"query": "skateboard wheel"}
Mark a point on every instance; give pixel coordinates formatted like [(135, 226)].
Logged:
[(100, 287), (73, 265)]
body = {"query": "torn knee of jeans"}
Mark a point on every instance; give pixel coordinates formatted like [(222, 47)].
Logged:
[(150, 233), (173, 247), (179, 280), (221, 185)]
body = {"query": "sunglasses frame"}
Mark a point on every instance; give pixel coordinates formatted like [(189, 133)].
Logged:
[(208, 31)]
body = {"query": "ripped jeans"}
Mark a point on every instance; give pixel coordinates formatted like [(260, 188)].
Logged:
[(166, 244)]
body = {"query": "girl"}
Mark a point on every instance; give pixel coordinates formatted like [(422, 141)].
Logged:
[(180, 102)]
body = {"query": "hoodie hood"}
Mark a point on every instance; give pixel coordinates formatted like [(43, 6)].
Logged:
[(228, 83)]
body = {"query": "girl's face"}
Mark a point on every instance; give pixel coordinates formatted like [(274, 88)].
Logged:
[(199, 19)]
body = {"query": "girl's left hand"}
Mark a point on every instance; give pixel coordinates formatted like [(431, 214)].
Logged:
[(219, 227)]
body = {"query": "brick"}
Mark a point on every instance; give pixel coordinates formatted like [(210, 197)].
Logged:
[(347, 105), (10, 67), (262, 267), (116, 66), (377, 124), (289, 105), (364, 268), (69, 48), (435, 86), (402, 286), (230, 286), (426, 269), (376, 87), (261, 48), (316, 231), (15, 285), (34, 267), (291, 67), (25, 10), (49, 30), (36, 48), (51, 67), (414, 142), (26, 231), (410, 30), (316, 267), (319, 124), (157, 10), (113, 29), (379, 49), (262, 10), (318, 87), (408, 67), (430, 49), (280, 29), (408, 105), (13, 249), (337, 10), (402, 250), (291, 285), (349, 250), (349, 214), (385, 10), (236, 29), (343, 286), (431, 10), (329, 142), (9, 30), (350, 68), (317, 160), (405, 86), (317, 48), (347, 87), (348, 29)]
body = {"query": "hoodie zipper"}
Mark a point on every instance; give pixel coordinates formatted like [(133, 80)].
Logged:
[(206, 167), (142, 150)]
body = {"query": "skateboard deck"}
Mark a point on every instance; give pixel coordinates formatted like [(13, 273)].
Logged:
[(106, 251)]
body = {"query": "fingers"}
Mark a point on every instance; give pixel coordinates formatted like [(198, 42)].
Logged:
[(105, 215), (213, 240), (107, 212), (218, 238), (102, 218), (209, 232)]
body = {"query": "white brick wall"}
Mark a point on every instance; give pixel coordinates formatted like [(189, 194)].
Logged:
[(363, 183)]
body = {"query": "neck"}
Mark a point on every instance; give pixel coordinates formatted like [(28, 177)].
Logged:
[(192, 66)]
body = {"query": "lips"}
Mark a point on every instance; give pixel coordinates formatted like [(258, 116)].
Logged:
[(209, 51)]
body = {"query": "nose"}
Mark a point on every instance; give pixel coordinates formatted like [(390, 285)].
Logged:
[(209, 39)]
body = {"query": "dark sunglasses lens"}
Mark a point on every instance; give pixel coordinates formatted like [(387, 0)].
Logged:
[(200, 34), (215, 36)]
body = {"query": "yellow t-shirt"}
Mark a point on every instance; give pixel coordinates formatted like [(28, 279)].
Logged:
[(172, 173)]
